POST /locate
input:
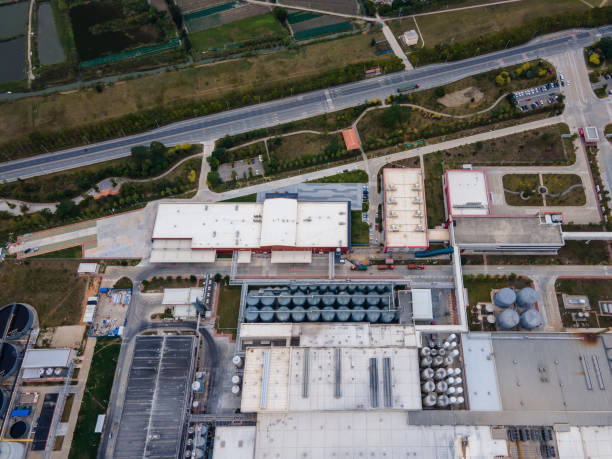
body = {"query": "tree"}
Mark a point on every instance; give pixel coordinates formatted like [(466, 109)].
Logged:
[(393, 116), (213, 178), (440, 91), (66, 209), (213, 163), (217, 278), (280, 14), (594, 59)]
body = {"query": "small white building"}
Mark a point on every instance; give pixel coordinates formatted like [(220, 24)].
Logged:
[(46, 363), (88, 269), (467, 192), (182, 300), (410, 37)]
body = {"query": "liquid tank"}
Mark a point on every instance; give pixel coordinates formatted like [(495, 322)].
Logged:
[(313, 314), (283, 314), (426, 362), (428, 386), (427, 373), (299, 299), (298, 314), (361, 288), (267, 299), (322, 288), (8, 360), (358, 314), (313, 300), (437, 361), (252, 299), (251, 314), (531, 319), (372, 300), (343, 300), (443, 401), (17, 319), (303, 288), (508, 319), (358, 300), (284, 299), (387, 316), (430, 400), (293, 288), (504, 297), (19, 429), (328, 314), (341, 287), (343, 314), (526, 297), (424, 351), (329, 299), (373, 314), (381, 289), (350, 289), (266, 314), (440, 374), (441, 387)]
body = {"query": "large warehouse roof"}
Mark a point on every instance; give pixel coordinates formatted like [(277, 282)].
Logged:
[(467, 192), (39, 358), (404, 207), (277, 222)]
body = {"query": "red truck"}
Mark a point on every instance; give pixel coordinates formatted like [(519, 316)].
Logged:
[(386, 267), (416, 266), (389, 261)]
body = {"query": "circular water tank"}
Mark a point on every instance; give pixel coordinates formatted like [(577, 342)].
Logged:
[(441, 387), (322, 288), (490, 307), (424, 351), (303, 288), (450, 380), (237, 361), (195, 405), (358, 300), (341, 287), (343, 300), (343, 314), (426, 362), (235, 390), (252, 299), (196, 385), (236, 379), (298, 314), (381, 289), (19, 319), (428, 386), (442, 401), (531, 319), (332, 288), (508, 319), (504, 297), (451, 391), (427, 373), (384, 302), (357, 315), (460, 400), (440, 374), (314, 300), (437, 361), (451, 337), (459, 390), (19, 429), (266, 314), (329, 299), (373, 314), (372, 300), (313, 314), (328, 314), (458, 380), (448, 361), (251, 314), (350, 289), (361, 287), (283, 314), (8, 360), (491, 318), (267, 300), (284, 299), (293, 288), (433, 352), (430, 400), (452, 400), (299, 299), (441, 352), (387, 316), (526, 297)]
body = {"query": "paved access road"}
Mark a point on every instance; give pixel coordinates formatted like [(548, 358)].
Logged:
[(214, 126)]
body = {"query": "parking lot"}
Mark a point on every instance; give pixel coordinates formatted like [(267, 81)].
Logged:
[(533, 98), (241, 168)]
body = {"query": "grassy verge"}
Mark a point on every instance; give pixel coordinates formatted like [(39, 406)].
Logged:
[(356, 176), (596, 289), (558, 183), (360, 230), (245, 198), (292, 147), (572, 253), (157, 284), (95, 400), (52, 287), (228, 309), (70, 252), (434, 192), (124, 283), (527, 184), (67, 408)]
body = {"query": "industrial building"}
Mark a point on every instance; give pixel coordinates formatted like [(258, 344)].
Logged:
[(467, 192), (182, 301), (46, 364), (404, 214), (290, 230)]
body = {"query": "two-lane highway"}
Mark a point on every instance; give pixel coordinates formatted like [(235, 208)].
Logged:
[(302, 106)]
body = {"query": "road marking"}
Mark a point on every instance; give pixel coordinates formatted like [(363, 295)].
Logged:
[(330, 102)]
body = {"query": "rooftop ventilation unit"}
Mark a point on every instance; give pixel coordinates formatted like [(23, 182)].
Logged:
[(417, 200), (342, 223), (394, 228), (418, 213), (393, 214), (416, 187), (391, 187), (392, 200), (214, 234), (420, 228), (308, 219), (206, 207)]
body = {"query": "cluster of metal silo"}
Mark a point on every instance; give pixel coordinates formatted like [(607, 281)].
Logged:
[(441, 381), (525, 299), (321, 302)]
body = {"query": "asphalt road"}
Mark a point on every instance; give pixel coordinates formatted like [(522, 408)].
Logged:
[(298, 107)]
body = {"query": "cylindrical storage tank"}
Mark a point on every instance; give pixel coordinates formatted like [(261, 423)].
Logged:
[(442, 401), (196, 386), (237, 361), (504, 297), (251, 314), (235, 389), (452, 400), (437, 361), (358, 301), (350, 289), (454, 353), (298, 314), (252, 299), (373, 314), (526, 297), (299, 299), (452, 345), (458, 380), (434, 352), (313, 314), (266, 314), (430, 400), (384, 302), (372, 300), (460, 400), (361, 288), (450, 380), (448, 361), (358, 315), (428, 386), (387, 316), (8, 360), (283, 314), (441, 387), (459, 390), (236, 379), (343, 300), (426, 362), (303, 288), (508, 319), (322, 288), (341, 287), (343, 314), (456, 371), (198, 453), (268, 299), (451, 337), (440, 374), (381, 289), (491, 319), (284, 299), (441, 352), (328, 314), (531, 319), (329, 299), (293, 288), (424, 351), (427, 373), (313, 300), (490, 307), (451, 390), (19, 429), (370, 288)]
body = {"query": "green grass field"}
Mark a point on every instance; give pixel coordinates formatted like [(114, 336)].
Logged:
[(254, 28), (70, 252), (596, 289), (558, 183), (228, 309), (359, 229), (522, 182), (95, 400), (357, 176)]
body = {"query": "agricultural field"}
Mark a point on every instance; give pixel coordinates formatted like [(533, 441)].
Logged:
[(457, 26), (260, 28), (305, 25), (189, 6), (222, 14), (336, 6), (13, 28), (50, 49)]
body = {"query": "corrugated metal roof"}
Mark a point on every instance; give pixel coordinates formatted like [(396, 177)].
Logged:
[(40, 358), (87, 268), (181, 296), (291, 256), (422, 308)]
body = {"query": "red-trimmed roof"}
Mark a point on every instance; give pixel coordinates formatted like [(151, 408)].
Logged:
[(350, 139)]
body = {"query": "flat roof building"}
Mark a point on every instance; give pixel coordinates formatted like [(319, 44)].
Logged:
[(591, 136), (410, 37), (405, 217), (194, 232), (467, 192)]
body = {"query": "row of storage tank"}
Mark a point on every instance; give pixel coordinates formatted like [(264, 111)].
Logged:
[(371, 314), (525, 298), (441, 381)]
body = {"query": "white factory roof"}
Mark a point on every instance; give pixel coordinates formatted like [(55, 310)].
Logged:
[(404, 207), (280, 384), (88, 268), (467, 192), (291, 256), (422, 308), (182, 296), (585, 442), (591, 134), (277, 222), (42, 358), (480, 374), (368, 434), (236, 442)]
